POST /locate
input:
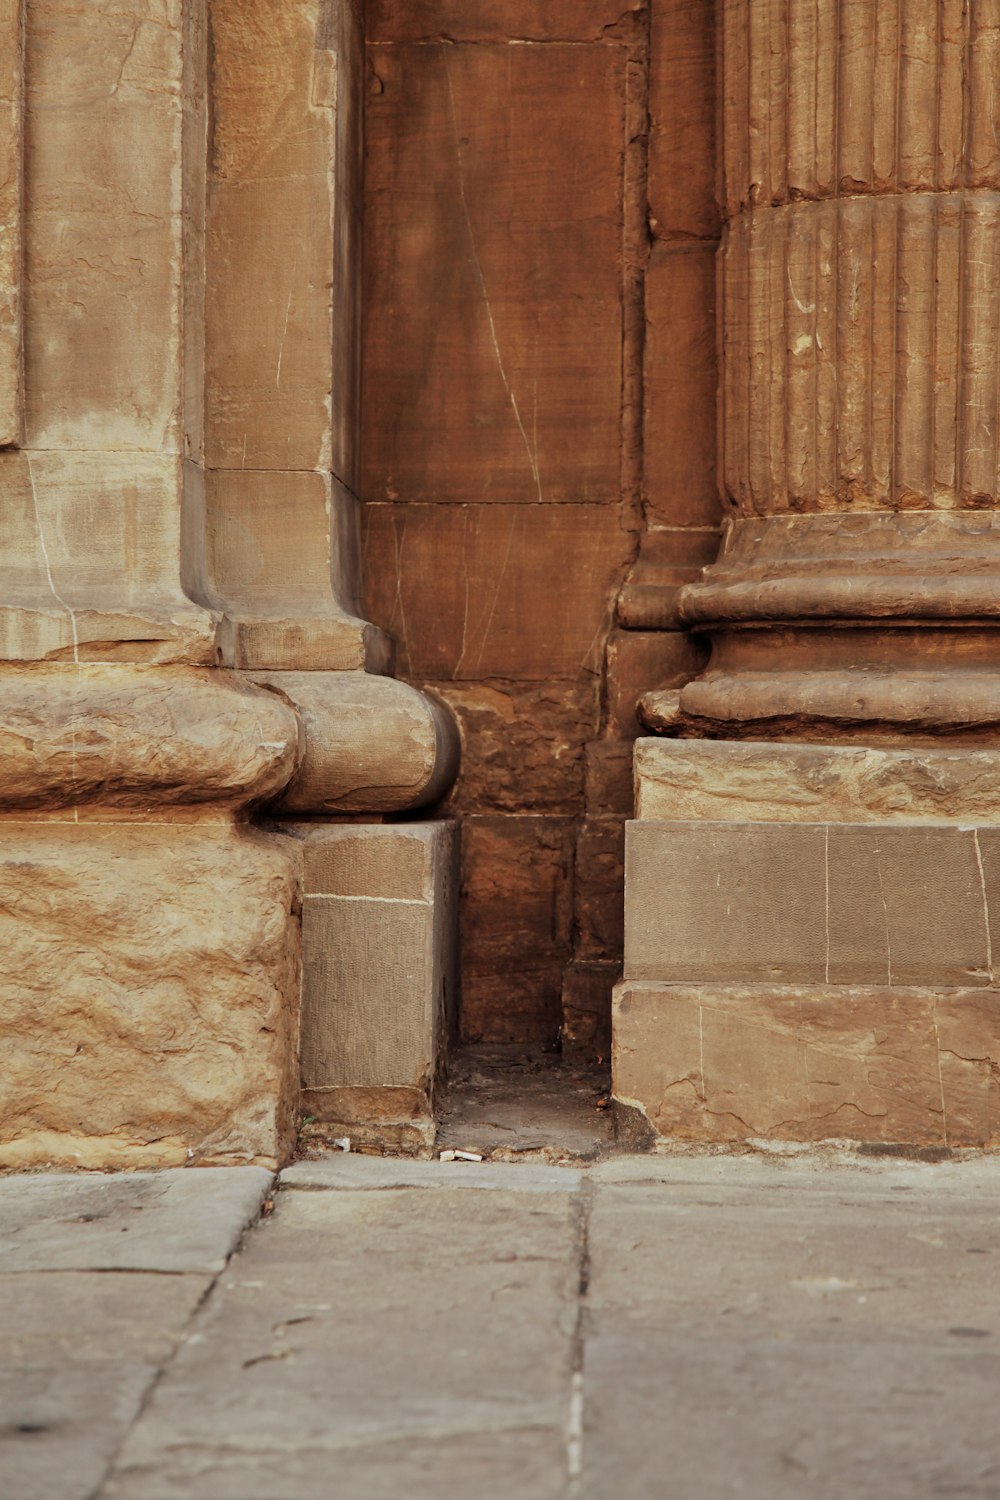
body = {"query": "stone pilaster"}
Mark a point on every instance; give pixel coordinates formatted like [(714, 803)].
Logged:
[(809, 934), (860, 393)]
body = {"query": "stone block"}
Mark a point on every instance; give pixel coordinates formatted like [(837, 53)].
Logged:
[(517, 926), (493, 286), (639, 660), (520, 591), (104, 109), (727, 780), (150, 997), (810, 1062), (380, 972), (599, 885), (779, 903), (680, 385), (523, 744)]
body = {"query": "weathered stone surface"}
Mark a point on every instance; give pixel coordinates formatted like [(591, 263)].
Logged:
[(374, 1174), (638, 660), (681, 377), (61, 1426), (517, 923), (893, 904), (484, 256), (92, 1317), (523, 744), (11, 269), (178, 1221), (380, 967), (718, 780), (429, 1270), (495, 21), (586, 1008), (669, 557), (150, 1004), (502, 608), (598, 888), (608, 785), (91, 560), (682, 107), (117, 738), (810, 1062), (370, 744)]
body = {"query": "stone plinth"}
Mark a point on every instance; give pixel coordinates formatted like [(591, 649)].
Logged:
[(380, 977), (810, 939)]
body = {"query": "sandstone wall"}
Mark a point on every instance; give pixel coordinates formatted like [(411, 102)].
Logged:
[(539, 440)]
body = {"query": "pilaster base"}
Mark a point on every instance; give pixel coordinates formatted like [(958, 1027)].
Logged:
[(810, 935)]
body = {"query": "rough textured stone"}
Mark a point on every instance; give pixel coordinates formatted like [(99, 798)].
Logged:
[(106, 735), (586, 1008), (150, 1006), (809, 783), (523, 744), (810, 1062), (494, 21), (93, 1317), (178, 1221), (517, 883), (484, 255), (598, 888), (380, 967)]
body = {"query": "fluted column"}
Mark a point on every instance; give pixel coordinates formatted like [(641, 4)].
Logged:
[(860, 391)]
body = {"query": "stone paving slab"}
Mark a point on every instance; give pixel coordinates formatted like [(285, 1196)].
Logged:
[(61, 1425), (350, 1170), (411, 1338), (181, 1220), (92, 1316), (782, 1419)]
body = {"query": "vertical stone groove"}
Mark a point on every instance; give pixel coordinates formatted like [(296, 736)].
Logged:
[(861, 257)]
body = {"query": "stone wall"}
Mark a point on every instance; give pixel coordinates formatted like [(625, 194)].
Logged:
[(539, 441)]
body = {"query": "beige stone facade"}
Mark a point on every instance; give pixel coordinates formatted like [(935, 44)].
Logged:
[(375, 383)]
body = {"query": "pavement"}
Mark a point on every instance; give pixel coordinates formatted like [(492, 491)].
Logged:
[(371, 1329)]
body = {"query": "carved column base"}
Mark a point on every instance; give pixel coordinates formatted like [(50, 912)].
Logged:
[(822, 626), (812, 934)]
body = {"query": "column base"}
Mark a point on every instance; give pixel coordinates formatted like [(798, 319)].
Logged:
[(810, 935), (809, 1063)]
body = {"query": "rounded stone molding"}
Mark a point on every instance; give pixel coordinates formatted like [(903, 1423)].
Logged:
[(371, 744)]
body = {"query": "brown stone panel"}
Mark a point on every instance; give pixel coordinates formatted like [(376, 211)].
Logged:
[(517, 918), (482, 591), (586, 1005), (599, 886), (522, 744), (639, 660), (682, 105), (681, 380), (493, 239), (608, 787), (496, 20)]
